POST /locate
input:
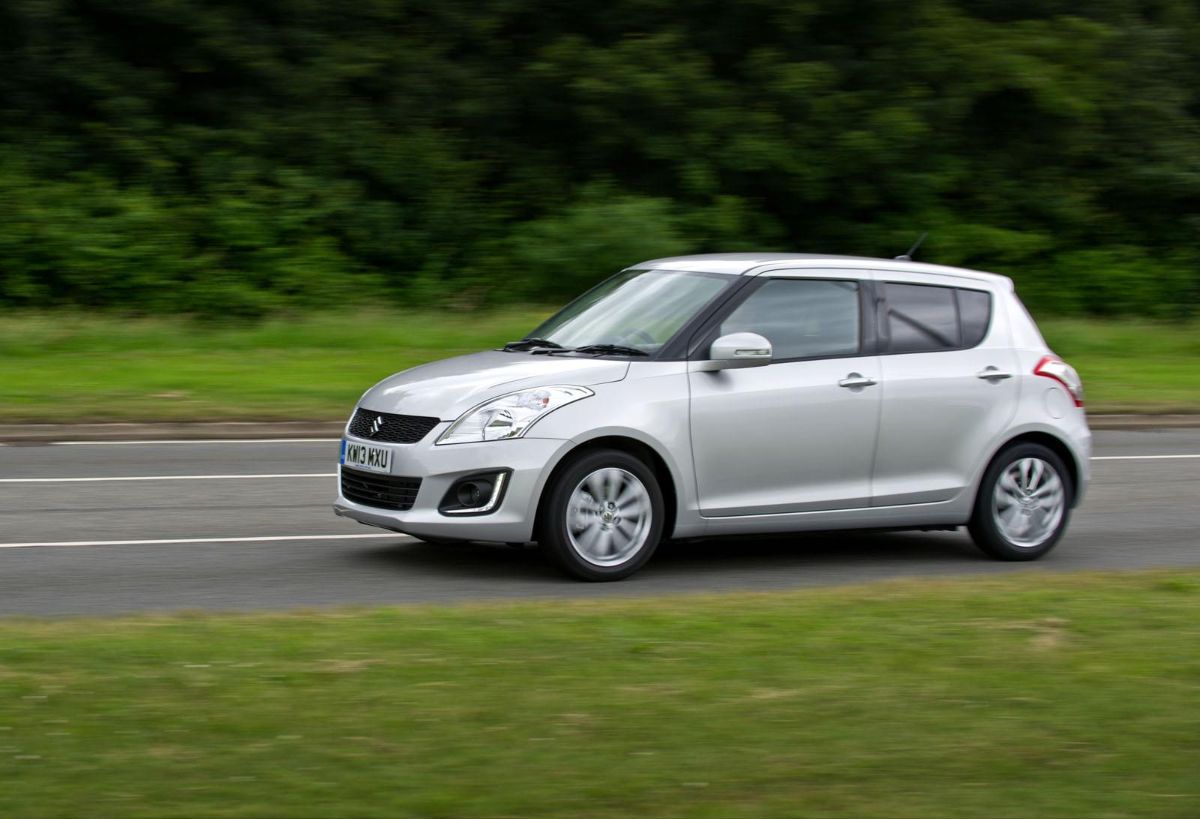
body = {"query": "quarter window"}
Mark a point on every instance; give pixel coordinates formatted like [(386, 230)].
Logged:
[(975, 310), (802, 318)]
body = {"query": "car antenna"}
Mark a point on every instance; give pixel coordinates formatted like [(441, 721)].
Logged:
[(908, 257)]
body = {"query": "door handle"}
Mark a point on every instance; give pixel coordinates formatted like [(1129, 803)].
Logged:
[(990, 373), (856, 380)]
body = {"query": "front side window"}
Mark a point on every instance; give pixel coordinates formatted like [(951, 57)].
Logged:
[(642, 309), (802, 318)]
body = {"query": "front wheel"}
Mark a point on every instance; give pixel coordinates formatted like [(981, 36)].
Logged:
[(1023, 505), (603, 517)]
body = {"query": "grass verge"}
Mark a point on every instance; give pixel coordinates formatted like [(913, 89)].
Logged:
[(1131, 366), (72, 367), (1031, 695), (63, 368)]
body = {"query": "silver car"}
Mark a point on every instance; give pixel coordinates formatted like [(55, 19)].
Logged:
[(733, 394)]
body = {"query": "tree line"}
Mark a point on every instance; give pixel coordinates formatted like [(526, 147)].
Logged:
[(236, 158)]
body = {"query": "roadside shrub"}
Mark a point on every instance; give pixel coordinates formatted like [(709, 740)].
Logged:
[(566, 252), (247, 158)]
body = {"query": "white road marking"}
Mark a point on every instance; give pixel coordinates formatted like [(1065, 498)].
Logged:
[(173, 478), (284, 538), (188, 540)]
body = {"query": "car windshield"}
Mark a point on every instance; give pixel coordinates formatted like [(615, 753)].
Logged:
[(637, 309)]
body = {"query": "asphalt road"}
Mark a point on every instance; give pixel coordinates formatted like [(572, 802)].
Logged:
[(193, 537)]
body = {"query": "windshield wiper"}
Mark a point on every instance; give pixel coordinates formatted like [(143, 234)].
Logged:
[(608, 349), (531, 343)]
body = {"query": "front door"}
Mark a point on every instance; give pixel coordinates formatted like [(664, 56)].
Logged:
[(798, 434)]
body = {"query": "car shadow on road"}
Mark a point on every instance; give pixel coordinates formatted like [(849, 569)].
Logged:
[(833, 556), (464, 561), (821, 547)]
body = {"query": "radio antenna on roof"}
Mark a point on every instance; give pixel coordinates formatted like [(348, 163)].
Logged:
[(908, 257)]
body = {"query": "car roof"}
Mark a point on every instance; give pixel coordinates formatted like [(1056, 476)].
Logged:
[(742, 264)]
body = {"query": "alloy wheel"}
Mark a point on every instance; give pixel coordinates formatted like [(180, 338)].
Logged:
[(609, 516), (1028, 502)]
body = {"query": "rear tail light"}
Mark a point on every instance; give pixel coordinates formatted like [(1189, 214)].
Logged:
[(1051, 366)]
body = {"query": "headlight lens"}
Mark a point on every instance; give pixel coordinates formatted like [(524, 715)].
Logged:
[(509, 416)]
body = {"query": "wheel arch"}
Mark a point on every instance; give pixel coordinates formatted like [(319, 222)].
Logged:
[(1052, 442), (623, 443)]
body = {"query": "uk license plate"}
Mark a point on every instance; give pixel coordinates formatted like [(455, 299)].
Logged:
[(370, 458)]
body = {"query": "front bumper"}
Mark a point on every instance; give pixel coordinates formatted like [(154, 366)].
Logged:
[(438, 467)]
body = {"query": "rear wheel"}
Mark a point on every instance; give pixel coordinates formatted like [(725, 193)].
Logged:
[(603, 517), (1023, 505)]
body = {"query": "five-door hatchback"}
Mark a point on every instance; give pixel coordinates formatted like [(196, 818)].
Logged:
[(730, 394)]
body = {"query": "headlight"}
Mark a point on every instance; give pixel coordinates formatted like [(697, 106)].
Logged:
[(509, 416)]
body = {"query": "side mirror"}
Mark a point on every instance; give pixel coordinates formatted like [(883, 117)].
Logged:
[(737, 350)]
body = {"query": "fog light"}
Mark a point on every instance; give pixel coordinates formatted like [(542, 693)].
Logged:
[(473, 494), (477, 494)]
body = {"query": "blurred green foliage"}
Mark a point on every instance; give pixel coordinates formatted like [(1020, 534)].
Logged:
[(235, 158)]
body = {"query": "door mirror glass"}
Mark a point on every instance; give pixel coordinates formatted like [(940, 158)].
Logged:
[(737, 350)]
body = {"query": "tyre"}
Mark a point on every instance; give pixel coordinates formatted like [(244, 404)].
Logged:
[(603, 516), (1023, 505)]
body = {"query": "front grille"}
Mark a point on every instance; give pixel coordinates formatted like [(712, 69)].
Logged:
[(382, 491), (389, 428)]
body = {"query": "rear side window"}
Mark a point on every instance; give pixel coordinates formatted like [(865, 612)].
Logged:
[(802, 318), (925, 318), (921, 319)]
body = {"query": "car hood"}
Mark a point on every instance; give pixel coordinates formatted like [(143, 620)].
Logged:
[(446, 389)]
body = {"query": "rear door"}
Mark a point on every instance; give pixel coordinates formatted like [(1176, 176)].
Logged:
[(788, 437), (949, 386)]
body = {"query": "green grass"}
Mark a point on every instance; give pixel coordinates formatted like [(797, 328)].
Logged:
[(75, 367), (1131, 366), (72, 367), (1032, 695)]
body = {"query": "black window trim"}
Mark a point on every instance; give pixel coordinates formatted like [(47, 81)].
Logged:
[(882, 310), (706, 334)]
